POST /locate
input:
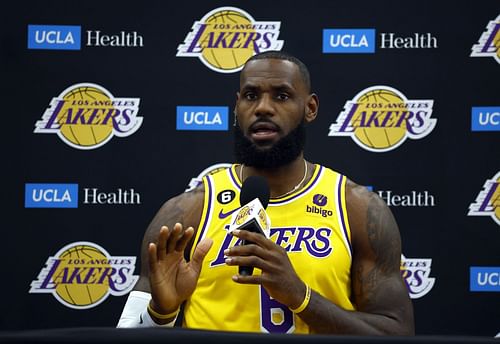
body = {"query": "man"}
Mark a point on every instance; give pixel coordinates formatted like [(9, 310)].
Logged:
[(332, 261)]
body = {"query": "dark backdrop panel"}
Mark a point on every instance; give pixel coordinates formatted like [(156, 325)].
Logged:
[(451, 164)]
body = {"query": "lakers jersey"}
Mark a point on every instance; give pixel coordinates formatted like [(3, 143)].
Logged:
[(311, 224)]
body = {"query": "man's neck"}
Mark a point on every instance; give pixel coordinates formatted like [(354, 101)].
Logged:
[(282, 179)]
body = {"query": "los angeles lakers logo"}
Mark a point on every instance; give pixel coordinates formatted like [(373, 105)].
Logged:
[(489, 42), (87, 116), (81, 275), (380, 119), (226, 37), (416, 274), (488, 200), (243, 214)]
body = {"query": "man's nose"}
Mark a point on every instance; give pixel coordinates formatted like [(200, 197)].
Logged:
[(265, 106)]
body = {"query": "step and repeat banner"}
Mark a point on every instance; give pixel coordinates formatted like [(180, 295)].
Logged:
[(111, 107)]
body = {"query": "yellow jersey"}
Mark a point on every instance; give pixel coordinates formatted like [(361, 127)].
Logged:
[(311, 224)]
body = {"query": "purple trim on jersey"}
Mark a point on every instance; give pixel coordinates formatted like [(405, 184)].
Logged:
[(234, 178), (342, 220), (301, 192), (209, 183)]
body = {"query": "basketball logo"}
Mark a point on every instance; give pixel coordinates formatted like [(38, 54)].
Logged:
[(87, 116), (77, 293), (487, 202), (488, 44), (226, 37), (381, 118), (81, 275), (416, 275), (371, 135), (90, 134)]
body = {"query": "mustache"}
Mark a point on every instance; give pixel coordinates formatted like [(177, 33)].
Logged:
[(265, 123)]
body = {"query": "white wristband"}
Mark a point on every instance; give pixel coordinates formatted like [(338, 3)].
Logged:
[(135, 312)]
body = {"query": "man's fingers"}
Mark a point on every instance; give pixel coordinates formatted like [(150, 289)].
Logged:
[(257, 238), (161, 244), (183, 241), (200, 253), (175, 235), (152, 252)]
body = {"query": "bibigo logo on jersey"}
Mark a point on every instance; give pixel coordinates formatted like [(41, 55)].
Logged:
[(226, 37), (81, 275), (380, 119), (488, 200), (86, 116)]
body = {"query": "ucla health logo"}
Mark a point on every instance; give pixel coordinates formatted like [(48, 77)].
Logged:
[(381, 118), (489, 42), (416, 274), (87, 116), (58, 37), (202, 118), (485, 278), (226, 37), (488, 200), (51, 195), (339, 41), (82, 275), (485, 118)]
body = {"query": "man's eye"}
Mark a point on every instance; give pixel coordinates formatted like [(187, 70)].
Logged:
[(250, 96), (283, 96)]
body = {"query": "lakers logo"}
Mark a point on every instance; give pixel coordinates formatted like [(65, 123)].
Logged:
[(489, 42), (226, 37), (82, 275), (488, 200), (242, 215), (87, 116), (381, 118), (416, 274)]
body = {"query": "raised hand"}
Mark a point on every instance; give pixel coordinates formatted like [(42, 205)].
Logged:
[(172, 279)]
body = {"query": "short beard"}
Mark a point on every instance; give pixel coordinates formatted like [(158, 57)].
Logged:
[(283, 152)]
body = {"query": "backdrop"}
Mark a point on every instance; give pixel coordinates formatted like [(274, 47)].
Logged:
[(113, 107)]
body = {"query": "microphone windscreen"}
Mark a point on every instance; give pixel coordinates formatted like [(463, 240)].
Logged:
[(255, 187)]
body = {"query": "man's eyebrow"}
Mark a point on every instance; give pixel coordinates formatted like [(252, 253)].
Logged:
[(276, 87)]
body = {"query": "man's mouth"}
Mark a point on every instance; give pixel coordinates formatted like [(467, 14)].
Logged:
[(264, 131)]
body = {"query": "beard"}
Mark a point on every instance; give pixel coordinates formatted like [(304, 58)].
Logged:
[(283, 152)]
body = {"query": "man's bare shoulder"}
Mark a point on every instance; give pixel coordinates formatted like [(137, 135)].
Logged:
[(184, 208)]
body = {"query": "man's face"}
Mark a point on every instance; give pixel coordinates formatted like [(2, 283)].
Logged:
[(272, 107)]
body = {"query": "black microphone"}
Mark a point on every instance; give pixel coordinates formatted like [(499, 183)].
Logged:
[(254, 198)]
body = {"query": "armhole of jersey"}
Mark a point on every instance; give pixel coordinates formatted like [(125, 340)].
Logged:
[(343, 218), (205, 214)]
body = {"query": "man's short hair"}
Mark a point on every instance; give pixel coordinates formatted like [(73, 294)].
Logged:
[(281, 55)]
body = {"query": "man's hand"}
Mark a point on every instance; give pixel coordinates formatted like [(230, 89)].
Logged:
[(278, 276), (172, 279)]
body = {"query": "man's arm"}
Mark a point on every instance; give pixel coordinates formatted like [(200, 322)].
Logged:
[(184, 208), (383, 306), (167, 240), (379, 294)]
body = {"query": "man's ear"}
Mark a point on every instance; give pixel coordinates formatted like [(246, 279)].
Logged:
[(312, 107)]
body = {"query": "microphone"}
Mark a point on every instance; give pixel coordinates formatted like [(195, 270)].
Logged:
[(252, 216)]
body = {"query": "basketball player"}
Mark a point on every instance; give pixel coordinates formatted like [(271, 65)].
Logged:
[(331, 263)]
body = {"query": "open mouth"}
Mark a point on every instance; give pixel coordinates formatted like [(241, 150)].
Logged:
[(264, 131)]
